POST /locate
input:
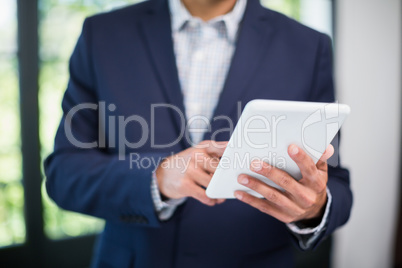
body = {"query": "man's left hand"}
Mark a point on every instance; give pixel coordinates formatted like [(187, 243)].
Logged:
[(301, 200)]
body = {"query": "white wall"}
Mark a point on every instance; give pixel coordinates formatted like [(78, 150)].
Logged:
[(368, 71)]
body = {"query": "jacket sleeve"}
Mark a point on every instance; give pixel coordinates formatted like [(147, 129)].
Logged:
[(81, 175), (338, 177)]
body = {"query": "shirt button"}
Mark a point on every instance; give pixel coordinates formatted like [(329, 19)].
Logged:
[(199, 55), (193, 24), (196, 108)]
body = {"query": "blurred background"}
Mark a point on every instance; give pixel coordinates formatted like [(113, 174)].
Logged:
[(38, 36)]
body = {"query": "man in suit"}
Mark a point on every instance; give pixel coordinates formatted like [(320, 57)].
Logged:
[(152, 87)]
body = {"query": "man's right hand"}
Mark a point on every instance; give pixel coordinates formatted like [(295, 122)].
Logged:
[(189, 172)]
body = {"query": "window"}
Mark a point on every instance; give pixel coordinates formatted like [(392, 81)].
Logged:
[(316, 14), (12, 225)]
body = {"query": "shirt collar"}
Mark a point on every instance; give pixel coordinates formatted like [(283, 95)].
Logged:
[(180, 16)]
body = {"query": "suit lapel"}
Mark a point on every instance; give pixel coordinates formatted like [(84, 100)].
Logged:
[(251, 45), (158, 37)]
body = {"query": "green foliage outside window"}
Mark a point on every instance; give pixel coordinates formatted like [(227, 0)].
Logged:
[(12, 226)]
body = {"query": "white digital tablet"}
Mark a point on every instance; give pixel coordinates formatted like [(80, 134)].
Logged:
[(265, 130)]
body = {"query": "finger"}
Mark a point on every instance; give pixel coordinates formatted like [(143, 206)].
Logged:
[(216, 148), (304, 162), (313, 178), (203, 161), (328, 153), (270, 193), (264, 206), (211, 164), (220, 201), (322, 163), (196, 192), (201, 177), (279, 177)]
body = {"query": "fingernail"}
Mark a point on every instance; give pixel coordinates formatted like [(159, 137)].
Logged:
[(294, 150), (243, 179), (238, 195), (256, 165)]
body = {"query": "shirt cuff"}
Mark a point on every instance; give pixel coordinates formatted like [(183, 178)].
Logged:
[(308, 236), (164, 209)]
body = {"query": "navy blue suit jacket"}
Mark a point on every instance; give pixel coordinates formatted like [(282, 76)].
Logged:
[(126, 58)]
